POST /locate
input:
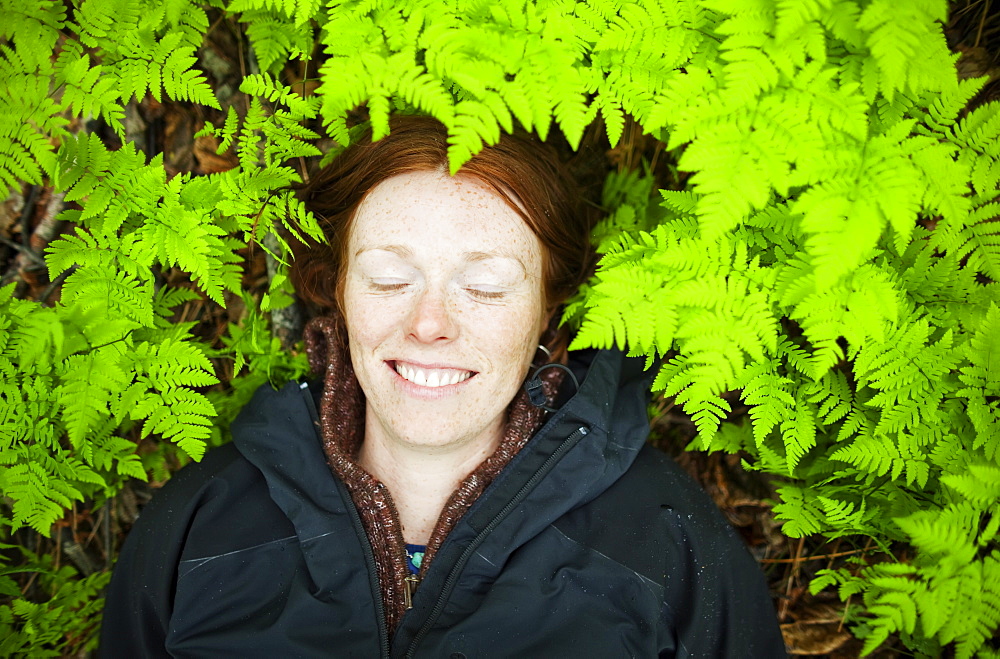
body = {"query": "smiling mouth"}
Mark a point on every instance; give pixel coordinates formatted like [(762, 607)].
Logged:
[(431, 377)]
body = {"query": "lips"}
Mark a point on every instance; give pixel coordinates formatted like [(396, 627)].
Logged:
[(425, 376)]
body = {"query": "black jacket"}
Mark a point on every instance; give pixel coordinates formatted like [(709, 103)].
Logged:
[(589, 544)]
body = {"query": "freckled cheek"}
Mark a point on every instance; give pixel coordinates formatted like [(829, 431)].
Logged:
[(512, 339), (368, 325)]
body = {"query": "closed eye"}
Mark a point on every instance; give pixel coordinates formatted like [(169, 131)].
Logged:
[(388, 286), (485, 294)]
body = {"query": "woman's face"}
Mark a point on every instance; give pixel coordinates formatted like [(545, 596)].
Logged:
[(444, 308)]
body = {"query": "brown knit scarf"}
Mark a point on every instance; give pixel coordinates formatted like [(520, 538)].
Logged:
[(342, 413)]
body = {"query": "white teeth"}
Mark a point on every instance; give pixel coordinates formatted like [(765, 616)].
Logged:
[(432, 378)]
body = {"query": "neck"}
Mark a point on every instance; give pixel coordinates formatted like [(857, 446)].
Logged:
[(420, 477)]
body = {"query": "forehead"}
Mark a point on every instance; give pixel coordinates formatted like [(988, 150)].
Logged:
[(417, 209)]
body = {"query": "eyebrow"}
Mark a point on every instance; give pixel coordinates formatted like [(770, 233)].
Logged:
[(396, 249), (476, 257)]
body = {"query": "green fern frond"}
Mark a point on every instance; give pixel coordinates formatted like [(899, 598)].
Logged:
[(980, 485), (983, 353), (769, 395), (800, 512), (178, 235), (267, 87), (28, 113), (42, 485), (34, 23), (979, 130), (163, 374), (88, 383), (845, 222), (906, 371), (979, 241), (833, 395), (162, 66), (947, 183), (798, 433), (474, 125), (276, 39), (906, 44), (88, 91), (944, 110), (961, 605), (114, 293), (727, 198), (881, 456)]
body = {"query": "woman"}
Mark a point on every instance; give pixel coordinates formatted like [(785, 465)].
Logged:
[(445, 497)]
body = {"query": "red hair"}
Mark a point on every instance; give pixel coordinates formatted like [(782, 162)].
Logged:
[(523, 171)]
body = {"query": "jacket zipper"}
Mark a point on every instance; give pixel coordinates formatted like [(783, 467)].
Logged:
[(452, 579), (410, 582), (383, 631)]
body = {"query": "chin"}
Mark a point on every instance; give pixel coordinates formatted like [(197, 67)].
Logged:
[(420, 426)]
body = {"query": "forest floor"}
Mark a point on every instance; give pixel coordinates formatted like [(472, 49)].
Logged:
[(813, 625)]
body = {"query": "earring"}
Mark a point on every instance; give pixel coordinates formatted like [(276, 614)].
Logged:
[(548, 355)]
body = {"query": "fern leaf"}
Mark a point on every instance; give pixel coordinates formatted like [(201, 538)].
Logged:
[(474, 125), (900, 38), (88, 383), (800, 511), (114, 293), (748, 73), (42, 485), (769, 395), (798, 433)]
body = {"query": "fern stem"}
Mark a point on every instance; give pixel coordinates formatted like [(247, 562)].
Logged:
[(795, 562), (982, 22), (56, 283), (818, 557), (26, 212)]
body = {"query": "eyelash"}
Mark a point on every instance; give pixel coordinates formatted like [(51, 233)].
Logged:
[(388, 288), (486, 295)]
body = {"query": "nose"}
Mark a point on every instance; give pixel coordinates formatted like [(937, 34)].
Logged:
[(431, 320)]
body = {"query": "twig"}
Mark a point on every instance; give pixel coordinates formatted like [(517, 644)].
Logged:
[(47, 229), (26, 212), (286, 322), (818, 557), (135, 127), (23, 249), (75, 552), (56, 283), (302, 160), (795, 561), (106, 516), (982, 21), (239, 50), (656, 156)]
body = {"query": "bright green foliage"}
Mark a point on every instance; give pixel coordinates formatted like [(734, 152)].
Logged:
[(266, 360), (82, 379), (64, 624), (107, 355), (833, 260), (279, 31), (799, 270)]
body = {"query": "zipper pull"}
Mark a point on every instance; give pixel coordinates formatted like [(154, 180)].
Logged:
[(410, 582)]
